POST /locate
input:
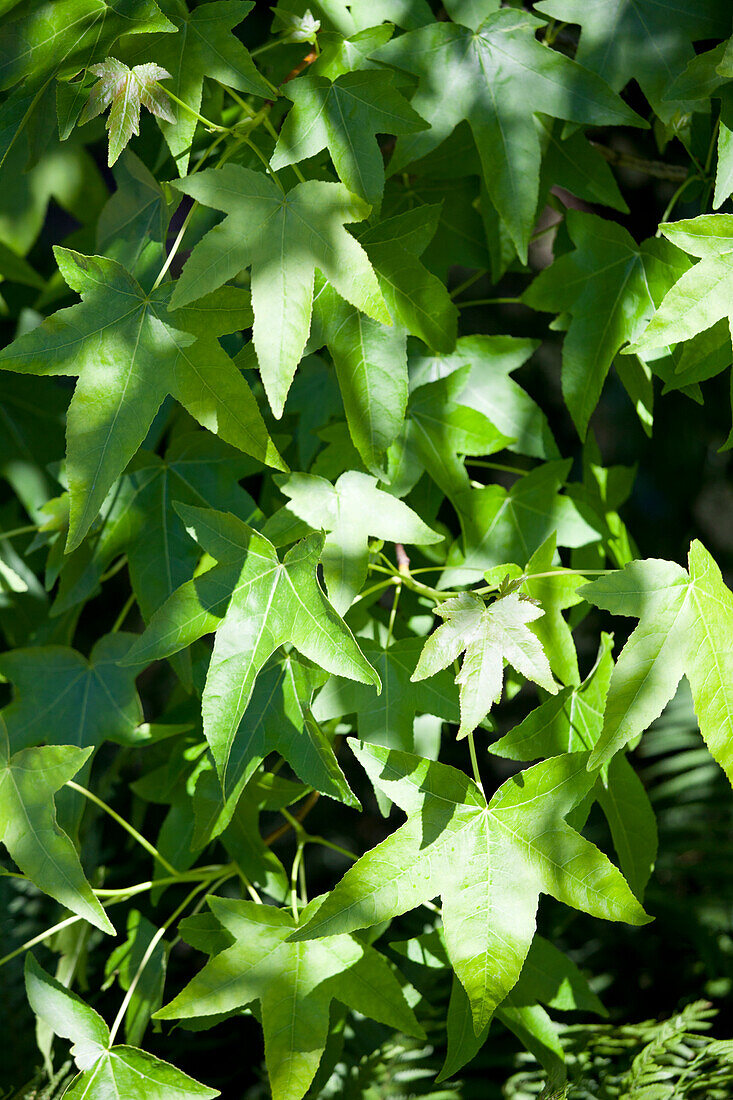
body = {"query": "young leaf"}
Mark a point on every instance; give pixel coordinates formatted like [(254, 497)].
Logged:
[(284, 237), (685, 625), (129, 351), (60, 38), (104, 1070), (490, 636), (125, 91), (28, 781), (489, 901), (607, 266), (203, 47), (294, 984), (498, 75), (344, 116), (349, 511), (254, 603)]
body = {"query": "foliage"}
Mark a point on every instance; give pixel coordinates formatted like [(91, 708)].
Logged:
[(343, 716)]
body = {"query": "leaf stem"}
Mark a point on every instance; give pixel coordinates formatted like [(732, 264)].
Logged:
[(127, 608), (27, 530), (489, 302), (486, 465), (206, 121), (151, 849), (474, 764), (146, 958), (393, 612), (469, 282)]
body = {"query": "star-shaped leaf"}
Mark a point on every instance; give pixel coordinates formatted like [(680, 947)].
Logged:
[(437, 433), (284, 237), (489, 389), (278, 718), (60, 38), (64, 698), (254, 603), (685, 627), (388, 718), (489, 637), (702, 296), (139, 519), (349, 511), (508, 525), (125, 91), (104, 1070), (203, 47), (498, 76), (570, 721), (294, 984), (28, 781), (607, 266), (344, 116), (129, 352), (488, 862), (641, 40)]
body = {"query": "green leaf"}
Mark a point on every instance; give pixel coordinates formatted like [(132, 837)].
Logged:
[(388, 718), (294, 984), (641, 40), (349, 511), (59, 38), (498, 76), (345, 116), (436, 431), (701, 297), (503, 525), (105, 1070), (129, 351), (28, 781), (371, 366), (254, 603), (489, 637), (606, 267), (278, 718), (63, 698), (571, 721), (489, 390), (139, 519), (125, 91), (68, 1015), (685, 623), (284, 237), (415, 297), (489, 904), (203, 47)]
